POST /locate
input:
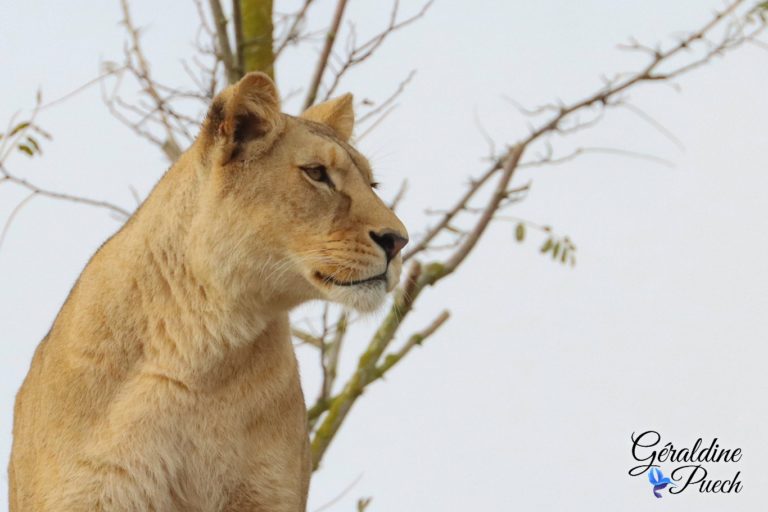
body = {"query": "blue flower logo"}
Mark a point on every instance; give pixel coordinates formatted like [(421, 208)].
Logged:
[(658, 481)]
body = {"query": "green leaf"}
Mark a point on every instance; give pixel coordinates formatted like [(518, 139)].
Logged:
[(26, 149), (520, 232), (547, 246), (33, 144), (16, 129), (556, 250)]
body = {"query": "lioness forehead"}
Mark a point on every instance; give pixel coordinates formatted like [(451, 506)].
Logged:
[(327, 133)]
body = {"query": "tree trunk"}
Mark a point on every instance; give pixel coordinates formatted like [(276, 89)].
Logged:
[(255, 30)]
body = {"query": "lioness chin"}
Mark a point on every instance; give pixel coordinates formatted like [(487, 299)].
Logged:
[(168, 381)]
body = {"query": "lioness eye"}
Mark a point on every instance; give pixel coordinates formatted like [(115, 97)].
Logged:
[(318, 173)]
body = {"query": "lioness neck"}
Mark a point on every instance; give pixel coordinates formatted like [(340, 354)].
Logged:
[(147, 290)]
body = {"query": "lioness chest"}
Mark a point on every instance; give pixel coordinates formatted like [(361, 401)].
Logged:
[(232, 438), (237, 440)]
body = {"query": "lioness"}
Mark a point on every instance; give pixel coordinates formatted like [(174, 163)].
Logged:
[(168, 381)]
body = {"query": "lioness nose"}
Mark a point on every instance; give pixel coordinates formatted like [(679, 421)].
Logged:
[(390, 241)]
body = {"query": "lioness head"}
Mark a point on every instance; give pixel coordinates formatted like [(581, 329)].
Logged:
[(289, 209)]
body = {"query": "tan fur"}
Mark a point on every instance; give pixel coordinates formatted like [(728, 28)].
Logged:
[(168, 381)]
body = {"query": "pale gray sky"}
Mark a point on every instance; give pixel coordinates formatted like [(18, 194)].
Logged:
[(527, 398)]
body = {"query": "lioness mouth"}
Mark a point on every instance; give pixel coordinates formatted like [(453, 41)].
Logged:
[(328, 279)]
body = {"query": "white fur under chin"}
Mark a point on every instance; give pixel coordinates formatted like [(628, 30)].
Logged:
[(365, 297)]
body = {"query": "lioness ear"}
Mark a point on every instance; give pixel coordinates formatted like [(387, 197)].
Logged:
[(245, 116), (337, 113)]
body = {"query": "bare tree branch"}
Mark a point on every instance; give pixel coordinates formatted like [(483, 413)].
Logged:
[(649, 73), (550, 159), (605, 97), (224, 50), (391, 360), (460, 205), (307, 338), (18, 136), (388, 101), (563, 120), (237, 18), (359, 54), (10, 178), (81, 88), (508, 169), (292, 34), (169, 145), (330, 356), (322, 62)]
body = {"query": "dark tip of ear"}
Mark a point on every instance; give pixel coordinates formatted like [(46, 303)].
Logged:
[(217, 111), (248, 127), (215, 117)]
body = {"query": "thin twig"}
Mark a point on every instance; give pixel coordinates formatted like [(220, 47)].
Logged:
[(12, 216), (339, 496), (550, 160), (376, 123), (653, 122), (330, 355), (66, 197), (391, 360), (307, 338), (82, 87), (399, 196)]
